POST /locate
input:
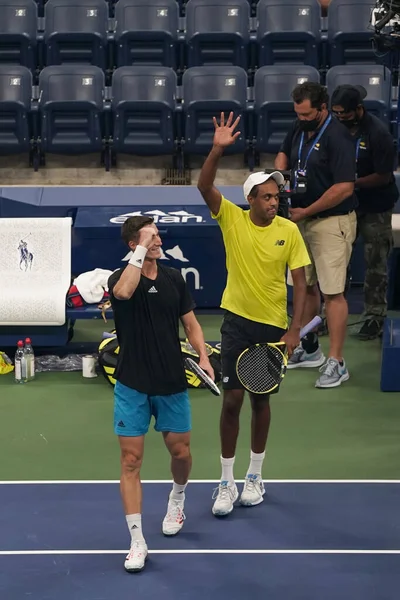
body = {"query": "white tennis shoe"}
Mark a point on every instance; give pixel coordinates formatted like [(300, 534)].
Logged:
[(253, 491), (225, 496), (175, 517), (136, 557), (301, 359)]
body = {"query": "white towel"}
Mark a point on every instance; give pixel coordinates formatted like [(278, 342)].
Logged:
[(92, 285), (35, 271)]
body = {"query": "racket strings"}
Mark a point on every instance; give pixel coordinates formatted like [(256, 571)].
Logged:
[(261, 368)]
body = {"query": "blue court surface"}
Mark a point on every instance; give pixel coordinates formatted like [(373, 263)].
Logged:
[(307, 541)]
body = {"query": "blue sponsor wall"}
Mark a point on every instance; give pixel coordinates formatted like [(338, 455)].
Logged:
[(192, 241)]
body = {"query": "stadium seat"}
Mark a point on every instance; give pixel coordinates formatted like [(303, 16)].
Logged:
[(348, 35), (217, 32), (273, 104), (143, 110), (71, 109), (18, 33), (15, 107), (206, 92), (288, 31), (376, 79), (146, 32), (76, 32)]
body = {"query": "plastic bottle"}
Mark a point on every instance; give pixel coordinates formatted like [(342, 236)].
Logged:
[(30, 359), (20, 364)]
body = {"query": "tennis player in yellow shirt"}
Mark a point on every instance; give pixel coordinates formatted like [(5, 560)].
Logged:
[(259, 247)]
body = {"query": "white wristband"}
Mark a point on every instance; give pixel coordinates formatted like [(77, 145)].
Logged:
[(138, 256)]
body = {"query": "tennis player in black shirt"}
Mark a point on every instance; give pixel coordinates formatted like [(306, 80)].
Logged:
[(148, 301)]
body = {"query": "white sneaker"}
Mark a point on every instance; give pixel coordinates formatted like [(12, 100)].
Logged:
[(333, 374), (136, 557), (225, 496), (173, 520), (253, 491), (301, 359)]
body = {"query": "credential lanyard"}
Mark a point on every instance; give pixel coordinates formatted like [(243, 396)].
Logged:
[(320, 134), (357, 153)]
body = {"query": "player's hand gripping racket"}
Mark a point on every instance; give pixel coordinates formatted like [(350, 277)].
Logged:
[(261, 368), (202, 375)]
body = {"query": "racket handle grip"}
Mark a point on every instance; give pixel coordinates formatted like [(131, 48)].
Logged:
[(311, 325)]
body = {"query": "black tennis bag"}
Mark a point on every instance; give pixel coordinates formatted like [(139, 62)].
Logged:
[(108, 351)]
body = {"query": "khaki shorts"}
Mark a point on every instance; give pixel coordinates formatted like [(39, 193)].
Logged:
[(329, 243)]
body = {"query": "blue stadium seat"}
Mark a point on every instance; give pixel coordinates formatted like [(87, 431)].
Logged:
[(18, 33), (76, 32), (273, 104), (15, 107), (112, 4), (288, 32), (143, 110), (376, 79), (206, 92), (348, 35), (71, 109), (146, 32), (217, 32)]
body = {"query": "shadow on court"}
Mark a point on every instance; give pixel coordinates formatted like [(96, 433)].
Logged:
[(307, 541)]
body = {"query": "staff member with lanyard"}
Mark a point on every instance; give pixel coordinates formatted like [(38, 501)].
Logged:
[(377, 194), (320, 154)]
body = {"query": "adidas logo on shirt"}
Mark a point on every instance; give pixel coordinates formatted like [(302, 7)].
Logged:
[(152, 290)]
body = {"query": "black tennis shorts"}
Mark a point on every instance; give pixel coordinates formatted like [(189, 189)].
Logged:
[(237, 334)]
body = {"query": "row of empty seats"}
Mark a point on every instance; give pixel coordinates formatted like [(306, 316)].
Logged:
[(145, 112), (212, 32), (111, 4)]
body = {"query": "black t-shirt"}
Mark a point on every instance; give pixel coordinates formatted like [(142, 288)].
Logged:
[(332, 161), (376, 154), (147, 326)]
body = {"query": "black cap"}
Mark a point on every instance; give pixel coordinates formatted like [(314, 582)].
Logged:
[(348, 96)]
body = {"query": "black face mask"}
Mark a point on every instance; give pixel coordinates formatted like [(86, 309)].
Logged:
[(349, 123), (309, 125)]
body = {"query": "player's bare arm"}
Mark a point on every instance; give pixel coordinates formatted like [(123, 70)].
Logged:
[(292, 337), (194, 334), (224, 136), (129, 280)]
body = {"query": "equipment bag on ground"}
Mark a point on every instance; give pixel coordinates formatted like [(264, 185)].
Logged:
[(108, 355)]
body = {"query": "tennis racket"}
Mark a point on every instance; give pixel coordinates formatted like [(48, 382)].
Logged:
[(261, 367), (202, 375)]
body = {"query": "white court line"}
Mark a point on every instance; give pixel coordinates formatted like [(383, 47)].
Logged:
[(200, 551), (194, 481)]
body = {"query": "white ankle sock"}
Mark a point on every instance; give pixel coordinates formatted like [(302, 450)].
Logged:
[(256, 462), (178, 491), (227, 469), (134, 523)]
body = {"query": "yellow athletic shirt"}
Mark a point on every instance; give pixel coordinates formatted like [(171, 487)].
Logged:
[(256, 260)]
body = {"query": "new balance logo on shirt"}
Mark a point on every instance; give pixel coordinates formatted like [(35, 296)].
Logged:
[(280, 243), (152, 290)]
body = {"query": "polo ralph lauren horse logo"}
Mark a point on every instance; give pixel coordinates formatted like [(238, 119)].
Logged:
[(25, 256)]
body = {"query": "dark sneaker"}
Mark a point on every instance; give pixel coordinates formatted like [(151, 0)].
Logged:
[(371, 329)]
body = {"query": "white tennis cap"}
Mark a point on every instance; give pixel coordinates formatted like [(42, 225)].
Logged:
[(261, 177)]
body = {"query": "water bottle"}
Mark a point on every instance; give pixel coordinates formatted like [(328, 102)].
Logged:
[(30, 359), (20, 364)]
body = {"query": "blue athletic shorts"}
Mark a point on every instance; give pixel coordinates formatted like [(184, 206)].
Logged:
[(133, 411)]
